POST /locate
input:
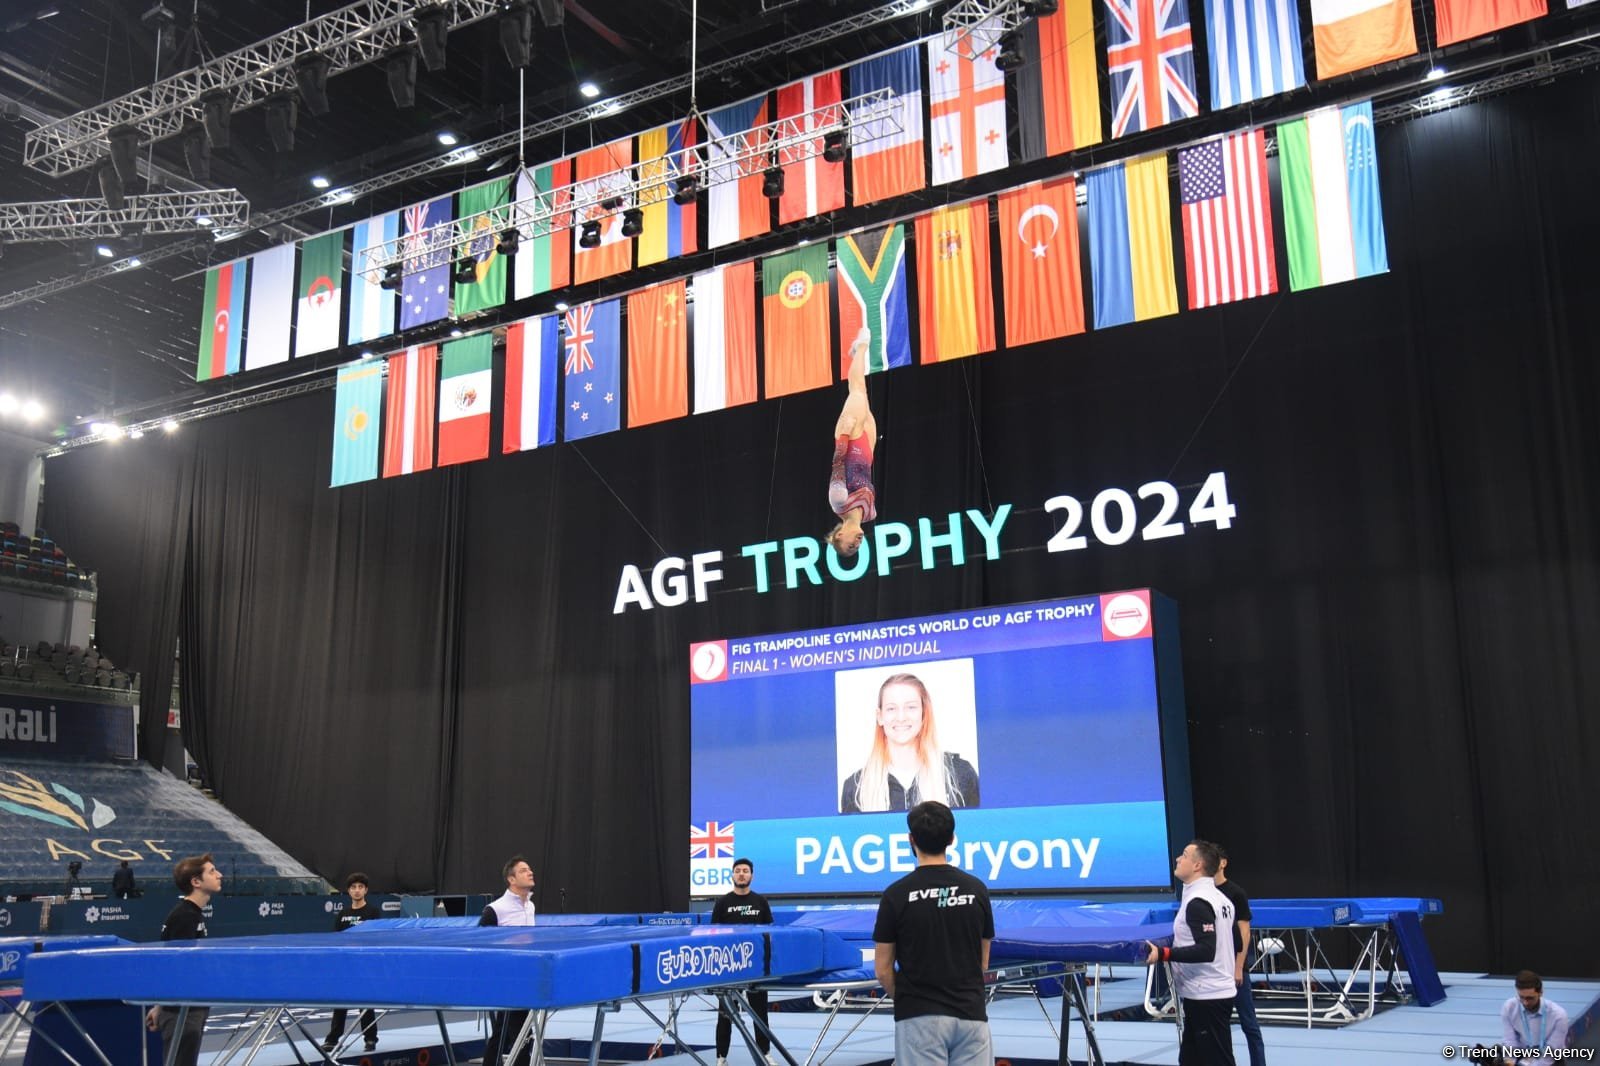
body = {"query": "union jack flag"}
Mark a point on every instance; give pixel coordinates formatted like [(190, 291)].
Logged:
[(1150, 57), (713, 841), (580, 335), (416, 222)]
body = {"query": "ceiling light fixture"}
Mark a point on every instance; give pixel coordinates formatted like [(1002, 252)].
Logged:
[(320, 182), (448, 139), (589, 90)]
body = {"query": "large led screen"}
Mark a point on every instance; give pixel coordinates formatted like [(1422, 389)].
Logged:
[(1053, 729)]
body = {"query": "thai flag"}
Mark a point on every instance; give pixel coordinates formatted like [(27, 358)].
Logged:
[(711, 841), (1150, 57)]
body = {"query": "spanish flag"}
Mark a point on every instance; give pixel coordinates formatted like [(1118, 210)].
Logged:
[(955, 293), (794, 289)]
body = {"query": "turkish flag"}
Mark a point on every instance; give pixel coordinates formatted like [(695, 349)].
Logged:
[(1042, 283)]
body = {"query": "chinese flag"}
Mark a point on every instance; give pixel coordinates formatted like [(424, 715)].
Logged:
[(1043, 287), (658, 354)]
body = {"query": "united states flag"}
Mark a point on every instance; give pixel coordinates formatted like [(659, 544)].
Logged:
[(711, 841), (1227, 219), (1150, 57)]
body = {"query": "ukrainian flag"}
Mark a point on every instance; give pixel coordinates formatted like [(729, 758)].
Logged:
[(1130, 242)]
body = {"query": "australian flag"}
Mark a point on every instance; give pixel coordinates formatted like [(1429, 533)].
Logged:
[(425, 289), (714, 840), (591, 366)]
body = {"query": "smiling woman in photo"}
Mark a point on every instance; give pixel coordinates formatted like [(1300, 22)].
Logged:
[(906, 765)]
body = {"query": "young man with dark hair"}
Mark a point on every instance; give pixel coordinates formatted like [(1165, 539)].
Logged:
[(198, 878), (936, 924), (742, 907), (1528, 1020), (359, 911), (1202, 958), (514, 907), (1244, 1002)]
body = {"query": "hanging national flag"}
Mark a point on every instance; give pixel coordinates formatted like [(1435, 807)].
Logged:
[(1462, 20), (1332, 214), (890, 163), (266, 339), (1058, 88), (795, 320), (1356, 34), (735, 210), (1039, 275), (222, 320), (872, 293), (966, 107), (1130, 242), (725, 337), (488, 287), (356, 399), (321, 274), (465, 399), (1150, 58), (592, 367), (670, 229), (1254, 47), (955, 293), (812, 186), (658, 354), (409, 411), (1227, 219), (603, 175), (371, 305), (544, 256), (1578, 3), (425, 290), (533, 348)]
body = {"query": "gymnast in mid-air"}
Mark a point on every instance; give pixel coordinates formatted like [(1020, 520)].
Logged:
[(855, 435)]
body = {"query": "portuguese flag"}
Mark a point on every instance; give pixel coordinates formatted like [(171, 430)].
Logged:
[(794, 287), (464, 400)]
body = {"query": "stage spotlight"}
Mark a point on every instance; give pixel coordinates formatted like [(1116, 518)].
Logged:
[(1010, 57), (688, 188), (391, 278), (216, 114), (833, 146), (170, 425), (433, 28), (283, 115), (590, 237), (111, 187), (125, 152), (1040, 8), (551, 12), (466, 270), (104, 251), (311, 75), (401, 68), (632, 222), (772, 183), (516, 34), (508, 239), (197, 152), (611, 203)]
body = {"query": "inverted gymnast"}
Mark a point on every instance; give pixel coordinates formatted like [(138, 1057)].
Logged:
[(855, 435)]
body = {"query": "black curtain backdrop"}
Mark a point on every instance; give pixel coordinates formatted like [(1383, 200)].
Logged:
[(1389, 660)]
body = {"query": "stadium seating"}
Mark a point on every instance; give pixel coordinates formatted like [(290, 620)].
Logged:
[(53, 811), (37, 559)]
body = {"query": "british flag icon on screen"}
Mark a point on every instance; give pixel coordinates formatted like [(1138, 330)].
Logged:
[(714, 840)]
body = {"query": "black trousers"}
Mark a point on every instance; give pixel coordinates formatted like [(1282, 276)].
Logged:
[(1207, 1036), (369, 1026), (758, 1004), (194, 1026), (503, 1030)]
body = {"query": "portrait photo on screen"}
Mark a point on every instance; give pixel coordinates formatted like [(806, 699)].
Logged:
[(906, 733)]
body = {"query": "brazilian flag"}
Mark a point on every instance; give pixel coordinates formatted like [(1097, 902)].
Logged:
[(488, 289)]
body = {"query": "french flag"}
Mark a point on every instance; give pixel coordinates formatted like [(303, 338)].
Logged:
[(890, 164)]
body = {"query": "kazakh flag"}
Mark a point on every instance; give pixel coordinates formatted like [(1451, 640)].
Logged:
[(357, 401)]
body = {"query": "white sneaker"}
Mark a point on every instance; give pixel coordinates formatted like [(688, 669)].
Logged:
[(722, 1061), (771, 1061)]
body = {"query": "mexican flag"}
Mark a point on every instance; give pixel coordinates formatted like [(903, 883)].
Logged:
[(464, 399)]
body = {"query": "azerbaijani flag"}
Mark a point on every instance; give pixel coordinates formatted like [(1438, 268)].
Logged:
[(222, 320)]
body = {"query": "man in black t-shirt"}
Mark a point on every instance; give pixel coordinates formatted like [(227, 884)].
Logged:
[(1244, 1003), (936, 923), (199, 879), (359, 911), (742, 907)]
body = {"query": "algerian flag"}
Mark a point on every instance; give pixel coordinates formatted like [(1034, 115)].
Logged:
[(464, 400), (1333, 218), (321, 293)]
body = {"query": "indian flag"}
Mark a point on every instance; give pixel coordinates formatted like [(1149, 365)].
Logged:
[(464, 400), (1333, 217)]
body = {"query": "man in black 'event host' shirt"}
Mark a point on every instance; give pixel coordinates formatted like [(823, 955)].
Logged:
[(199, 879), (359, 911), (936, 924), (742, 907)]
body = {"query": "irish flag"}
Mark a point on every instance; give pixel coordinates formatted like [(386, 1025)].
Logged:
[(1333, 218), (1355, 34), (464, 400)]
